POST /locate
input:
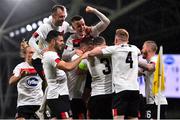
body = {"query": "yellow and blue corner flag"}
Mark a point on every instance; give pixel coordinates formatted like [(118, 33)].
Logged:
[(159, 79)]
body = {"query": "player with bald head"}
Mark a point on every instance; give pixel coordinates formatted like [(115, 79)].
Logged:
[(37, 41)]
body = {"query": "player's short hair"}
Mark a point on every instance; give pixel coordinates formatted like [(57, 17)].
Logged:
[(99, 40), (55, 7), (76, 18), (23, 48), (87, 40), (152, 45), (122, 33), (52, 35)]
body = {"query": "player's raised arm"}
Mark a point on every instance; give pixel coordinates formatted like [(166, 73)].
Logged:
[(102, 25)]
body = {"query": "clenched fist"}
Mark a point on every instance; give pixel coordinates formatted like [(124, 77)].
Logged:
[(90, 9)]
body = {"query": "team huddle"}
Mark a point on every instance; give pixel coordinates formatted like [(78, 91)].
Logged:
[(70, 73)]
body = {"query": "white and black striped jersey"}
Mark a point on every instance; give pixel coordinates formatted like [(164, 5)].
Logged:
[(125, 66)]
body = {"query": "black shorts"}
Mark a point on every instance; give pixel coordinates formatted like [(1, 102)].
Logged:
[(142, 107), (100, 107), (27, 111), (78, 108), (151, 111), (126, 103), (60, 107)]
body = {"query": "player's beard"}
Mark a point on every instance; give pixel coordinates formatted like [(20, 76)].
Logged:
[(60, 50), (59, 23), (58, 47)]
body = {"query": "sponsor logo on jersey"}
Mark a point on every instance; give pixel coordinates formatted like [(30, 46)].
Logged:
[(32, 82)]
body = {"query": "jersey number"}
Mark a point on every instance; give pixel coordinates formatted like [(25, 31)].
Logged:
[(105, 61), (129, 59)]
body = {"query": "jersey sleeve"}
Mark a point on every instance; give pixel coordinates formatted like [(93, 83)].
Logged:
[(39, 34), (56, 60), (67, 54), (53, 59), (108, 50), (74, 57), (17, 71), (42, 31)]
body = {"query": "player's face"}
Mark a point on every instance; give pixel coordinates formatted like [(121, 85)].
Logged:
[(29, 53), (145, 51), (79, 27), (59, 17), (59, 43)]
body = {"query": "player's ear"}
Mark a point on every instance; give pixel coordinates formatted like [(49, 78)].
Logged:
[(115, 40), (72, 24), (53, 41), (73, 27), (53, 15)]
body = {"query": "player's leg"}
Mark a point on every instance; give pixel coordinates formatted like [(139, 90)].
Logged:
[(26, 112), (60, 107), (119, 105), (101, 107), (133, 104), (78, 108), (142, 108)]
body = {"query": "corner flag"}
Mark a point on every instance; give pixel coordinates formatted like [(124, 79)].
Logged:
[(159, 80)]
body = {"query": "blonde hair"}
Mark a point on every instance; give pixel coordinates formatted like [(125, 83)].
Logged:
[(23, 46), (152, 45), (123, 34)]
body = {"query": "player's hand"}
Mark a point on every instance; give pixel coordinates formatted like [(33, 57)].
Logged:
[(79, 52), (90, 9), (85, 55), (88, 30), (24, 73)]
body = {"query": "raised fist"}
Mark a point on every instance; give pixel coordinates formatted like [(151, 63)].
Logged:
[(89, 9)]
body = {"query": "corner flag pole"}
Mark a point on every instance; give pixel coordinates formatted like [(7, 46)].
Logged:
[(160, 77)]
